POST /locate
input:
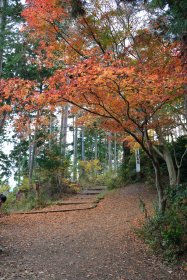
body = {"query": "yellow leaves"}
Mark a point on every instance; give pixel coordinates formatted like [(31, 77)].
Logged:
[(90, 165), (131, 142)]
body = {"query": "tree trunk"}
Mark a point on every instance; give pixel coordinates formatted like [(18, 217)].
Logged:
[(159, 187), (65, 125), (95, 144), (170, 166), (61, 132), (3, 6), (109, 151), (184, 61), (115, 152), (151, 153), (166, 155), (178, 175), (82, 144), (50, 130), (74, 150), (32, 154), (2, 121)]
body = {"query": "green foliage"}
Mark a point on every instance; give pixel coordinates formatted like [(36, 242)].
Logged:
[(89, 170), (128, 172), (4, 188), (27, 202), (90, 137), (18, 158), (111, 179), (175, 14), (167, 234), (51, 170), (24, 186), (7, 206), (4, 167)]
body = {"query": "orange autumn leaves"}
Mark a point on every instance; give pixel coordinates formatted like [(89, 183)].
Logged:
[(123, 95), (126, 93)]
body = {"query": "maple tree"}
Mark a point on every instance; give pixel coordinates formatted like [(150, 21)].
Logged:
[(126, 79), (127, 96)]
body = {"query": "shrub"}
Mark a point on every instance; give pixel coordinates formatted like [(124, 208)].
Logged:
[(167, 234), (88, 172)]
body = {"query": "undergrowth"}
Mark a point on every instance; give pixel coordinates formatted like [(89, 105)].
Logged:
[(167, 234)]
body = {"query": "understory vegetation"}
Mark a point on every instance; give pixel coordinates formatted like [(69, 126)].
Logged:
[(167, 234)]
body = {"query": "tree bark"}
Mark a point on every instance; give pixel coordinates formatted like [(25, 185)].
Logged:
[(82, 144), (2, 121), (63, 130), (115, 152), (3, 19), (74, 150), (95, 144), (50, 130), (3, 6), (158, 182), (159, 187), (184, 61), (166, 155), (32, 155), (170, 166), (109, 151)]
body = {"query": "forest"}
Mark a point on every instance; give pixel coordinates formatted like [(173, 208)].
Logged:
[(94, 93)]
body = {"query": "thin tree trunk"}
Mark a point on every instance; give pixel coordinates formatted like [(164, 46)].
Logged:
[(61, 131), (179, 164), (74, 150), (65, 126), (50, 130), (178, 175), (159, 187), (3, 6), (2, 121), (115, 152), (32, 152), (82, 144), (184, 60), (109, 151), (158, 183), (95, 144), (32, 158), (106, 153)]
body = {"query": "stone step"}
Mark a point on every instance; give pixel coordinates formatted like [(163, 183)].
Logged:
[(83, 197), (96, 190), (84, 200), (58, 209), (90, 192), (72, 202)]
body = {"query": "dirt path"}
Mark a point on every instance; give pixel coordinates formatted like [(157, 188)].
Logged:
[(96, 244)]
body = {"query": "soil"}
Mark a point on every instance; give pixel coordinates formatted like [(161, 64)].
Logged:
[(97, 243)]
